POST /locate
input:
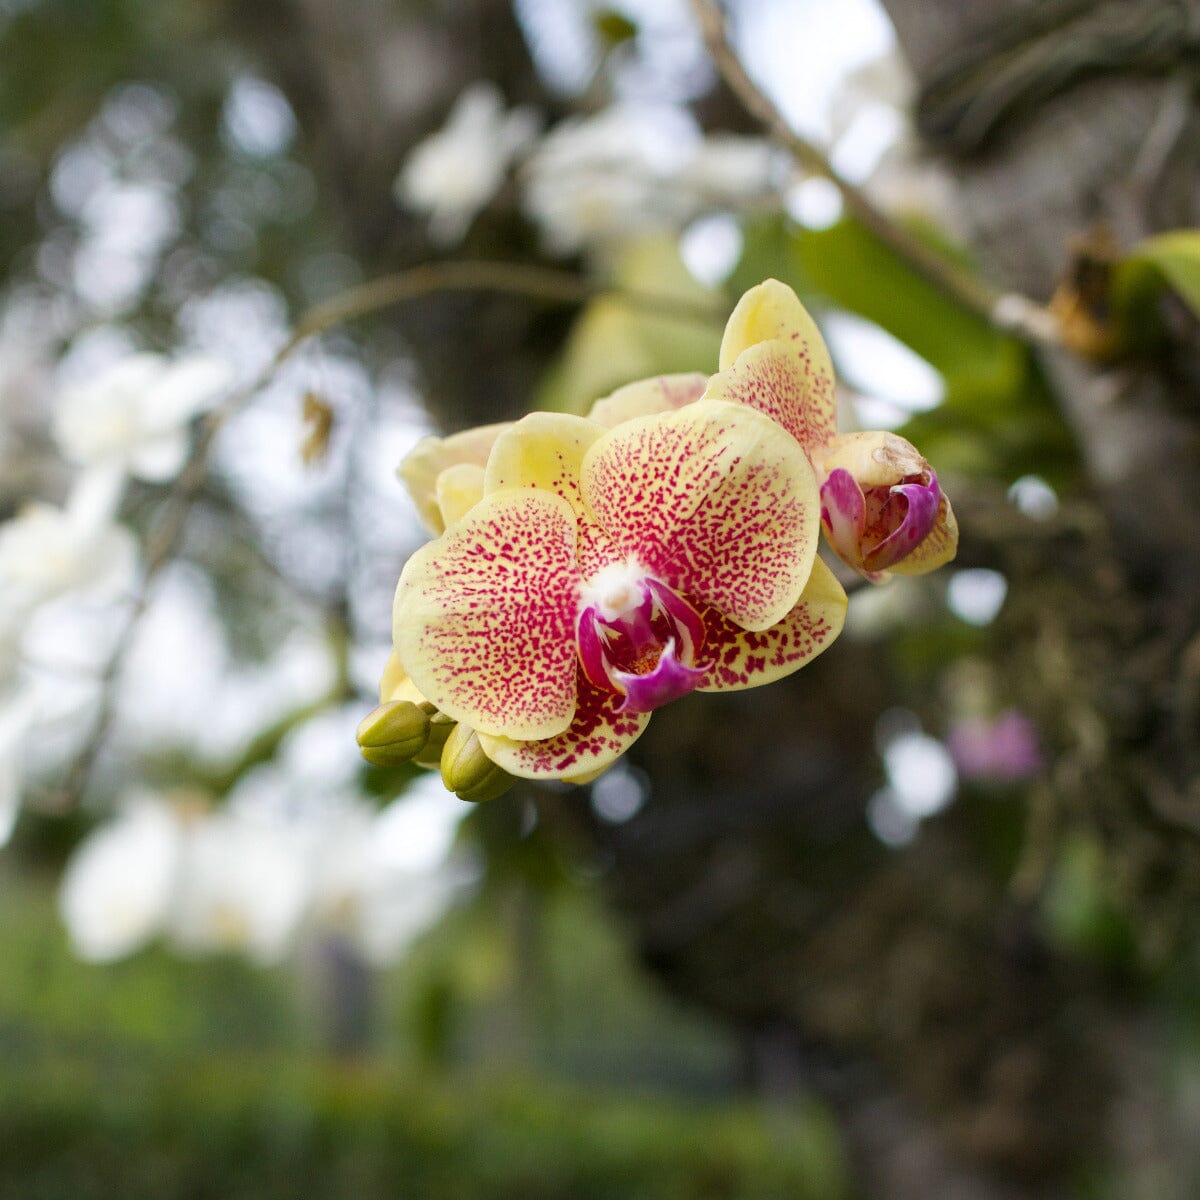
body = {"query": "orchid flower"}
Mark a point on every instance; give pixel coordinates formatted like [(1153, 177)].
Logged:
[(602, 573), (881, 506), (882, 509), (444, 476), (121, 880), (455, 172), (47, 552), (133, 417)]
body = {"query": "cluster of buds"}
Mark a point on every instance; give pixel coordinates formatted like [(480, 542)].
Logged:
[(398, 732), (588, 570)]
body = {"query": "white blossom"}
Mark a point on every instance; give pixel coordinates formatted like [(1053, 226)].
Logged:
[(454, 173), (121, 882), (729, 170), (637, 169), (598, 180), (16, 719), (383, 878), (47, 552), (244, 886), (133, 417)]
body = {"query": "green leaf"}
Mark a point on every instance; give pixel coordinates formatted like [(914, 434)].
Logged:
[(1177, 256)]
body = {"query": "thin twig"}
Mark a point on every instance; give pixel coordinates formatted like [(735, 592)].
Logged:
[(538, 283), (1006, 310)]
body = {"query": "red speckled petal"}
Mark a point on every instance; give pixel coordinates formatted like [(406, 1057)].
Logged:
[(745, 660), (597, 737), (545, 450), (661, 393), (484, 620), (770, 378), (937, 549), (773, 312), (715, 500)]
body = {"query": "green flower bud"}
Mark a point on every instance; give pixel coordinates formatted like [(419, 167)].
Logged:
[(440, 727), (393, 733), (468, 772)]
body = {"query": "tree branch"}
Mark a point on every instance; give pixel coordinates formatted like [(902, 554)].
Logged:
[(1006, 310)]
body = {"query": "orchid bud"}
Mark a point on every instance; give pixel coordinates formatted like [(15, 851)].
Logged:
[(440, 728), (468, 772), (393, 733)]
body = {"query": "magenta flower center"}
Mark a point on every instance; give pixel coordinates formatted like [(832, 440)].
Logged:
[(639, 638)]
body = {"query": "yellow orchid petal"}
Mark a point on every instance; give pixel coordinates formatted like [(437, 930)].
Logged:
[(432, 455), (716, 500), (938, 547), (741, 659), (543, 450), (395, 683), (457, 490), (484, 618), (595, 739), (546, 450), (773, 312), (660, 393)]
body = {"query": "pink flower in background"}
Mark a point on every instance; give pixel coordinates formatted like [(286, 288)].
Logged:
[(1002, 749)]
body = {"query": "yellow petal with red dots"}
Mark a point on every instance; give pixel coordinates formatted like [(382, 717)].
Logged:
[(772, 312), (716, 500), (595, 739), (484, 618), (741, 659)]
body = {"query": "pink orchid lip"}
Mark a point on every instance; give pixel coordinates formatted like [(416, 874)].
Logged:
[(920, 516), (855, 520), (843, 512), (646, 651), (669, 680)]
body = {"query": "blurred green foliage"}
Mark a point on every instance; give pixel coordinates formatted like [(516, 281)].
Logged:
[(227, 1130), (1177, 256), (164, 1078)]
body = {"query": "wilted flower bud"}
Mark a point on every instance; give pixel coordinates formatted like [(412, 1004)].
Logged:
[(394, 733), (881, 507), (468, 772)]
